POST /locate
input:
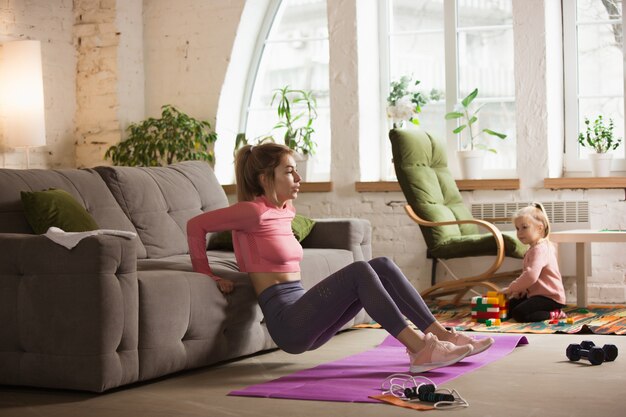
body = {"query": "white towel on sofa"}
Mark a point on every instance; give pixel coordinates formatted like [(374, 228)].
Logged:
[(71, 239)]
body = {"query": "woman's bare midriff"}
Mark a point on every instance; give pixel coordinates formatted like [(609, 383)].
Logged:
[(262, 280)]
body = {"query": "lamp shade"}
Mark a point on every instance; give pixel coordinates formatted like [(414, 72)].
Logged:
[(22, 94)]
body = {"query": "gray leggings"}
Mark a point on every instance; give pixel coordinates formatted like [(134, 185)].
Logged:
[(300, 320)]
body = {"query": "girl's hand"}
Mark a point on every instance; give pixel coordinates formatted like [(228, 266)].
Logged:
[(510, 294), (226, 286)]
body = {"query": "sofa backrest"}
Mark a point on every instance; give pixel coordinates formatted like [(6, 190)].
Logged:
[(160, 200), (85, 185)]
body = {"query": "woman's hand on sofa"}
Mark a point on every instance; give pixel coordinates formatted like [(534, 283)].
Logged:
[(226, 286)]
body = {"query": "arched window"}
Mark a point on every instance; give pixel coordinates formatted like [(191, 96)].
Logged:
[(292, 51)]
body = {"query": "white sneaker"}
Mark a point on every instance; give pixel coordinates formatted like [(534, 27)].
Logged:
[(479, 345), (436, 354)]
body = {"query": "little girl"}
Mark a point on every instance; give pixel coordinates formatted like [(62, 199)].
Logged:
[(537, 294)]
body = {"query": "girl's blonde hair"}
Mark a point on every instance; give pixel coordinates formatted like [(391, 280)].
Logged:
[(251, 162), (536, 212)]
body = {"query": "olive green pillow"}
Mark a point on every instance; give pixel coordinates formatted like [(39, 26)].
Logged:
[(301, 226), (54, 207)]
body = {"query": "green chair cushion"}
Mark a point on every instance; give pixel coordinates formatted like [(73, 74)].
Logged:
[(55, 207), (421, 166), (477, 245)]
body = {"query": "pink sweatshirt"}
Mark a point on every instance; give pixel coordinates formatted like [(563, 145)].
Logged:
[(262, 237), (540, 275)]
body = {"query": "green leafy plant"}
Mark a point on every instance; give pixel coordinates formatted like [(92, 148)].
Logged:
[(405, 102), (598, 136), (297, 125), (240, 141), (172, 138), (468, 118)]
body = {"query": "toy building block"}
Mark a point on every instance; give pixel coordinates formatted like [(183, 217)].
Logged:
[(485, 315), (493, 322), (491, 306), (485, 300)]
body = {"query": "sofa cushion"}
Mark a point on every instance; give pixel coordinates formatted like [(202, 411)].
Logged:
[(301, 226), (85, 185), (185, 321), (54, 207), (160, 200)]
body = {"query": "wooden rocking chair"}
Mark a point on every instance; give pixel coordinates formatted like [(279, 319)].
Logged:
[(448, 228)]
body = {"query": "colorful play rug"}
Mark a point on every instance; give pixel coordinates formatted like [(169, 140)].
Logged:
[(358, 377), (596, 319)]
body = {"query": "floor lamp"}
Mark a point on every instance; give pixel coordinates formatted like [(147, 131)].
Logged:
[(22, 95)]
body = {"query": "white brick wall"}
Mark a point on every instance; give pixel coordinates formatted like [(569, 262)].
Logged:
[(96, 40)]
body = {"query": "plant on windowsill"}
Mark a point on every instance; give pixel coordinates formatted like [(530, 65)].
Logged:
[(600, 138), (405, 102), (173, 138), (240, 142), (472, 152), (296, 111)]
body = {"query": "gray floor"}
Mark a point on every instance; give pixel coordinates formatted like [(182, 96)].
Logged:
[(534, 380)]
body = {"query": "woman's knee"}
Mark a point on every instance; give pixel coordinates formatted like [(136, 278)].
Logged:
[(384, 266), (362, 268), (387, 270), (382, 262)]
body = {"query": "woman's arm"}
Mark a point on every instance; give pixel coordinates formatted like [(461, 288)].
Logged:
[(241, 216)]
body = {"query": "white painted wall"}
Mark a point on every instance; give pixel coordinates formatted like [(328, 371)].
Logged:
[(130, 81), (186, 53), (49, 21), (187, 47)]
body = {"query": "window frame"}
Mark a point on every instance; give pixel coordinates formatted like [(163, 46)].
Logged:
[(573, 165), (450, 35)]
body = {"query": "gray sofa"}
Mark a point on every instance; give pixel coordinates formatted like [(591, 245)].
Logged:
[(113, 311)]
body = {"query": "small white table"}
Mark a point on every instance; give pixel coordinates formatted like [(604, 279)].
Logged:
[(583, 239)]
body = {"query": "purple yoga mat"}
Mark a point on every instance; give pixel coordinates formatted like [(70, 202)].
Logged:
[(356, 377)]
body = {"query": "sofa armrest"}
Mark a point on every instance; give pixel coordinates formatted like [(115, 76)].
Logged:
[(68, 318), (354, 235)]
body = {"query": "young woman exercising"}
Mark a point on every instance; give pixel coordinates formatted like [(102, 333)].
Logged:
[(299, 320)]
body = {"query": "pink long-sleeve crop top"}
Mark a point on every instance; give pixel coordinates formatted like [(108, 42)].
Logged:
[(262, 237)]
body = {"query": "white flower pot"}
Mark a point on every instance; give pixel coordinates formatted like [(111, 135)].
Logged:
[(600, 164), (471, 164), (396, 123), (303, 165)]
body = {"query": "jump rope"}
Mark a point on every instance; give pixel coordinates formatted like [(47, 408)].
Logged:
[(419, 388)]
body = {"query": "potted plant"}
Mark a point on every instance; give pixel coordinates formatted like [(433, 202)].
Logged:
[(471, 154), (296, 111), (405, 102), (172, 138), (240, 142), (599, 137)]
